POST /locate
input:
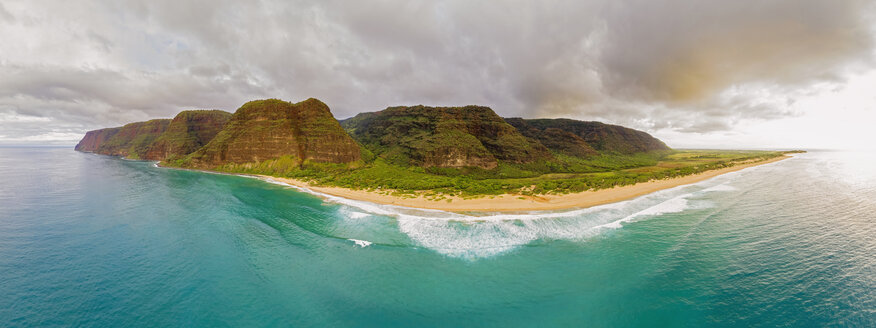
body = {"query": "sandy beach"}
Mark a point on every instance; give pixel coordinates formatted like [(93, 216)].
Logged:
[(510, 203)]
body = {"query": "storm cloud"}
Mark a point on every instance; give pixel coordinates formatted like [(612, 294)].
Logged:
[(681, 65)]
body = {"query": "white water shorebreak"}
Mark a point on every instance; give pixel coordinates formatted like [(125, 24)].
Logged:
[(477, 235), (360, 243)]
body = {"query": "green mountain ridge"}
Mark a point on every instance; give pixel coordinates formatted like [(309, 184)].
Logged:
[(471, 136), (269, 129), (409, 136), (187, 132), (468, 150), (583, 138), (133, 139), (93, 139)]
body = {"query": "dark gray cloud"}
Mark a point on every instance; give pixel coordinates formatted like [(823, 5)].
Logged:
[(683, 65)]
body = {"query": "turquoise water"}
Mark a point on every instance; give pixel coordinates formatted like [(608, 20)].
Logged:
[(89, 240)]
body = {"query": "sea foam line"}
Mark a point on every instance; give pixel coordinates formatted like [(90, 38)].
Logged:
[(402, 212), (487, 234), (473, 236), (360, 243), (434, 214)]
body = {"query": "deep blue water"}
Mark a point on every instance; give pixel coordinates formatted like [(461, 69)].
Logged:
[(89, 240)]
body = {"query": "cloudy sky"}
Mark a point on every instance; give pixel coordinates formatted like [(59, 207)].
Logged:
[(738, 74)]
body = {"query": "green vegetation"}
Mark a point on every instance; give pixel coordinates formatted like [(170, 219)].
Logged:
[(437, 151), (186, 133), (134, 139), (582, 138), (443, 137), (262, 130), (564, 175)]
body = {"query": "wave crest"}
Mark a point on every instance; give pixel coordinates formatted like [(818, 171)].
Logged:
[(478, 235)]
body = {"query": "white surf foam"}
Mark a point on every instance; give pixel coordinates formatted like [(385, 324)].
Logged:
[(720, 187), (674, 205), (360, 243), (430, 214), (353, 214), (359, 215), (477, 235), (476, 239)]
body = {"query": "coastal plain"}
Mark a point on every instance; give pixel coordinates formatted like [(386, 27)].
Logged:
[(517, 202), (448, 158)]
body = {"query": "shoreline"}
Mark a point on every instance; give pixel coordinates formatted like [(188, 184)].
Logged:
[(514, 203)]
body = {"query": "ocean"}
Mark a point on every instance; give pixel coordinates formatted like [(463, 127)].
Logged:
[(97, 241)]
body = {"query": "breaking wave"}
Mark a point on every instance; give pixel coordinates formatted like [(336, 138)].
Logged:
[(360, 243), (478, 235)]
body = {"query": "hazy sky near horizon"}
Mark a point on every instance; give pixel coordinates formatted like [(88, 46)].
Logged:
[(728, 74)]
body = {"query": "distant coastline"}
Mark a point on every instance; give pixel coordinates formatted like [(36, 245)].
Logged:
[(449, 158), (517, 203)]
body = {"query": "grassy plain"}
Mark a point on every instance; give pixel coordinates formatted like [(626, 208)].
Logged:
[(562, 176)]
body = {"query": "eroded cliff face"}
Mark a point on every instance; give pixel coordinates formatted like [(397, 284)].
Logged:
[(131, 141), (471, 136), (453, 137), (557, 134), (93, 139), (322, 137), (186, 133), (268, 129)]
